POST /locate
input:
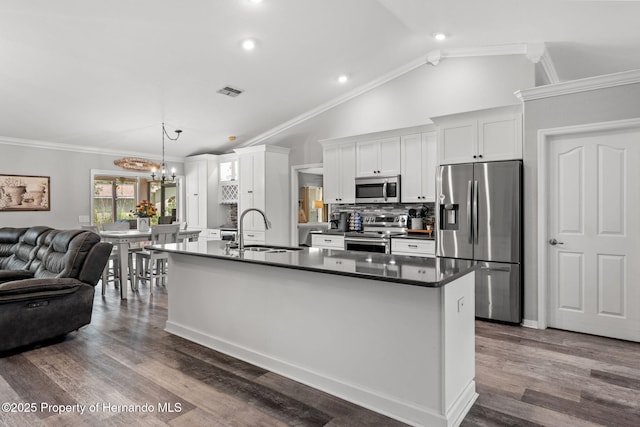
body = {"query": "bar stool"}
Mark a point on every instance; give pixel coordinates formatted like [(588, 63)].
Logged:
[(146, 259), (114, 259)]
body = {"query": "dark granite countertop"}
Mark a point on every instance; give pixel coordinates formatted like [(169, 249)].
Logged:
[(407, 270), (332, 232), (417, 236)]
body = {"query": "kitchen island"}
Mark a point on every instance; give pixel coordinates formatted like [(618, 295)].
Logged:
[(394, 334)]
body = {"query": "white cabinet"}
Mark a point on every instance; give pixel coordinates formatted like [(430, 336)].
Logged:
[(379, 157), (413, 247), (201, 175), (340, 264), (264, 184), (418, 167), (210, 234), (325, 241), (480, 136), (339, 173)]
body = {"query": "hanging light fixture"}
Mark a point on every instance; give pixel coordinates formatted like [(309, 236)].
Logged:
[(163, 171)]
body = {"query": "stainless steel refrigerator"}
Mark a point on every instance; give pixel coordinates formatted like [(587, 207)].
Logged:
[(479, 217)]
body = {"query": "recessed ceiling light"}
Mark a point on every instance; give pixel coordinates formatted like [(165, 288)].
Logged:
[(343, 79), (255, 1), (248, 44), (439, 36)]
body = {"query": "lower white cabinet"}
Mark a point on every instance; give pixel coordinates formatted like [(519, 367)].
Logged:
[(341, 264), (253, 237), (208, 233), (327, 241), (416, 272), (413, 247)]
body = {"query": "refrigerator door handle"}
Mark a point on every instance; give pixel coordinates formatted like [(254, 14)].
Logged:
[(469, 211), (475, 210)]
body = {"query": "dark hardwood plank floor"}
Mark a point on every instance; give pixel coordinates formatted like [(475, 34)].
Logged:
[(525, 377)]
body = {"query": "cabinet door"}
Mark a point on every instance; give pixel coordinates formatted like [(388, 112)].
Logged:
[(430, 165), (389, 156), (331, 175), (347, 173), (458, 143), (252, 193), (196, 190), (339, 173), (411, 163), (367, 158), (500, 138)]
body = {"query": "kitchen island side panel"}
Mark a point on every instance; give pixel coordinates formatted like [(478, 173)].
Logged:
[(373, 343)]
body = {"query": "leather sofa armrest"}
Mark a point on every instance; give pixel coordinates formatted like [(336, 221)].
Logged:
[(28, 289), (11, 275)]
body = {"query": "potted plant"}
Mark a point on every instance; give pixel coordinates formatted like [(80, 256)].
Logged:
[(144, 211), (15, 189)]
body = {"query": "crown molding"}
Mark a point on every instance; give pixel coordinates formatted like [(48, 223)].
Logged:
[(431, 57), (31, 143), (335, 102), (580, 85), (538, 53), (504, 49)]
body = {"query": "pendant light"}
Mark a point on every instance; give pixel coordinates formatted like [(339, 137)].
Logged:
[(163, 171)]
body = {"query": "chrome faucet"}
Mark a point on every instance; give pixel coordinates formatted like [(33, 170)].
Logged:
[(267, 225)]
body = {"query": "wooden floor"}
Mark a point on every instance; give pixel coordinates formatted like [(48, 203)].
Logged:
[(525, 377)]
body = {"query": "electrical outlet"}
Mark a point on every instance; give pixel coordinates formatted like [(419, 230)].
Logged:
[(460, 304)]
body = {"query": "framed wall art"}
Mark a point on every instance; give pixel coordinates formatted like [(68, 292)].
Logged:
[(24, 193)]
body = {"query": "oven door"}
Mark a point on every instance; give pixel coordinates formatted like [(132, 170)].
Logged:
[(364, 244)]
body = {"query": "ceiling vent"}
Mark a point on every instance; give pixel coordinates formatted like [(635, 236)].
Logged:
[(230, 91)]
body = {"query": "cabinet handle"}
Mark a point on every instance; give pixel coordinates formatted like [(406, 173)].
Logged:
[(249, 191), (327, 240), (251, 235), (413, 246), (475, 157), (480, 156)]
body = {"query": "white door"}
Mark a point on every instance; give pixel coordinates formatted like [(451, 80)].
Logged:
[(594, 239)]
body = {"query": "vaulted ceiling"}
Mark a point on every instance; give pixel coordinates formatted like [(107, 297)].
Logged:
[(106, 74)]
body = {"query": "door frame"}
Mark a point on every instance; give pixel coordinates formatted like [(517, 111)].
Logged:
[(294, 198), (545, 138)]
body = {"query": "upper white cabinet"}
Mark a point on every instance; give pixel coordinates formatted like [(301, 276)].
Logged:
[(264, 184), (339, 173), (418, 167), (480, 136), (201, 174), (380, 157)]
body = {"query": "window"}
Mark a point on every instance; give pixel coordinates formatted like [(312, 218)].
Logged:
[(113, 198)]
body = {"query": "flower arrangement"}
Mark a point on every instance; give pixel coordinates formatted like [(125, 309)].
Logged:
[(145, 209)]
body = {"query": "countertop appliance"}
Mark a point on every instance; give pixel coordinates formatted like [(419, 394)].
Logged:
[(479, 217), (376, 233), (378, 190)]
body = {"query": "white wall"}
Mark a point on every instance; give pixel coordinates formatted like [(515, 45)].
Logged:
[(455, 85), (602, 105), (70, 175)]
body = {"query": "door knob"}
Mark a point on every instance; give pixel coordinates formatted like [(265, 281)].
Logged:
[(554, 242)]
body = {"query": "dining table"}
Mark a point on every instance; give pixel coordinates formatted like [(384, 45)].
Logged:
[(123, 238)]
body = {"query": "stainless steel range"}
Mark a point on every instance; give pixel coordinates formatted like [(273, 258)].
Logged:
[(376, 234)]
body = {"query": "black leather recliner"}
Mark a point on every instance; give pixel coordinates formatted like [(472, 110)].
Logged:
[(47, 280)]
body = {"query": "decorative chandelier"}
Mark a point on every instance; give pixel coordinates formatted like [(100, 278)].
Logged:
[(163, 171)]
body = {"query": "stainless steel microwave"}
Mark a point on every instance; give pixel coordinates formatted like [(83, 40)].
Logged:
[(378, 189)]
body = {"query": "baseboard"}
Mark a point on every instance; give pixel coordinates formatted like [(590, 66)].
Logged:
[(462, 405), (530, 324), (406, 412)]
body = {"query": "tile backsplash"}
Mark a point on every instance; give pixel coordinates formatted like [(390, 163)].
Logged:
[(387, 208)]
